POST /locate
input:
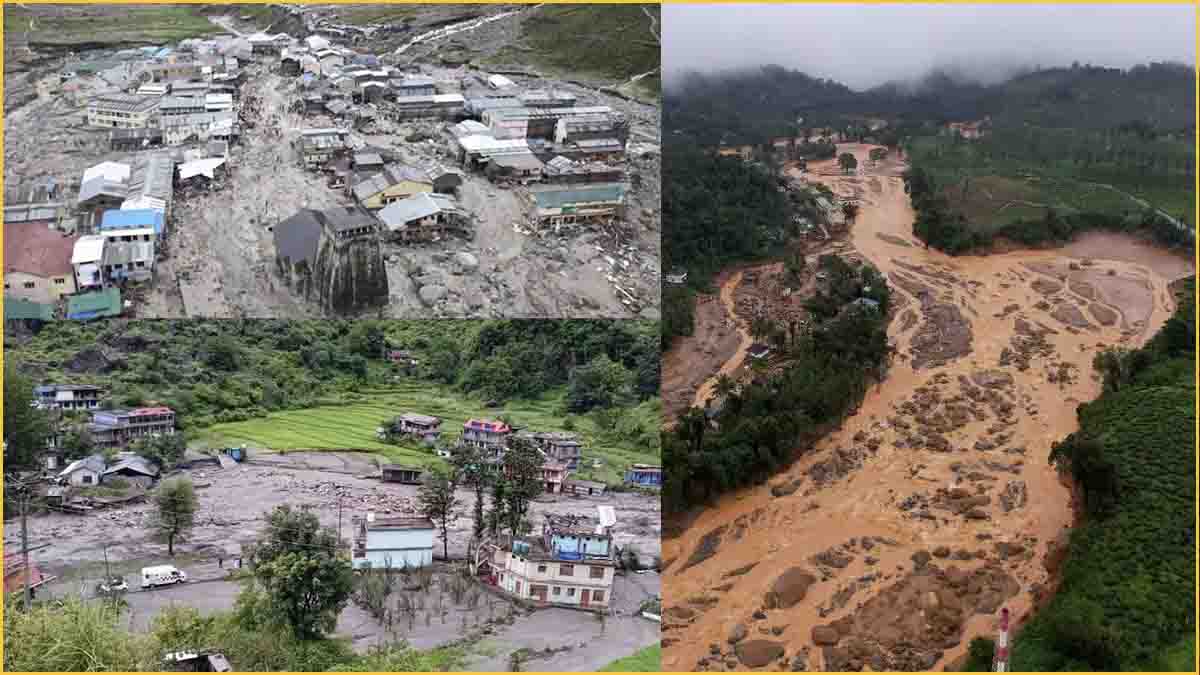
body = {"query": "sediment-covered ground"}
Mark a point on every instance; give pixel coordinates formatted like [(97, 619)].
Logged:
[(900, 536)]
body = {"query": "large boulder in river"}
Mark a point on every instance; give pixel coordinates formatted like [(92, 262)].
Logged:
[(759, 653), (789, 588)]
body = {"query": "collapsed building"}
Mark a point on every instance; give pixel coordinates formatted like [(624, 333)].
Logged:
[(334, 256)]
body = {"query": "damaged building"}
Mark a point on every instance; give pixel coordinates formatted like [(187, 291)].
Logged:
[(333, 256)]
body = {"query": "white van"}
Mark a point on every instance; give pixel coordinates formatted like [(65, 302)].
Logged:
[(162, 575)]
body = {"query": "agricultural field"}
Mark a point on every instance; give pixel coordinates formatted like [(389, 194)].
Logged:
[(351, 425), (97, 24)]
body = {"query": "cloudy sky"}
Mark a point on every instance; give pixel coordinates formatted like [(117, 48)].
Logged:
[(866, 45)]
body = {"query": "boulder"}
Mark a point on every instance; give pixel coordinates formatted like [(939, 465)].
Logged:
[(759, 653), (825, 636), (789, 589)]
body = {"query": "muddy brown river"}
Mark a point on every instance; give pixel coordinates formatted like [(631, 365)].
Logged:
[(898, 538)]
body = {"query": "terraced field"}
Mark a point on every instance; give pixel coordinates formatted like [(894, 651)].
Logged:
[(351, 426)]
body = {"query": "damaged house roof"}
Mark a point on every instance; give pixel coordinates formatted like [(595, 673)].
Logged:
[(422, 205), (392, 174), (297, 237)]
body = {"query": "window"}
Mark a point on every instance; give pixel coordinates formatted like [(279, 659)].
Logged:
[(542, 569), (86, 479), (570, 592), (597, 572), (29, 284), (558, 590), (598, 596), (59, 281), (566, 570)]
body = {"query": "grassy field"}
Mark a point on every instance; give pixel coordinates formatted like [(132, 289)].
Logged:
[(351, 426), (994, 193), (649, 660), (105, 24), (612, 41)]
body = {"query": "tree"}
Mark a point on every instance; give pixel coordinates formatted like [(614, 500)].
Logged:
[(78, 443), (368, 340), (496, 515), (300, 579), (175, 511), (438, 501), (848, 162), (523, 482), (473, 471), (26, 428), (602, 383), (165, 450)]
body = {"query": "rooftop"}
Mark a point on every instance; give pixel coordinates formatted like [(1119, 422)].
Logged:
[(95, 305), (555, 198), (35, 249), (130, 103), (421, 205)]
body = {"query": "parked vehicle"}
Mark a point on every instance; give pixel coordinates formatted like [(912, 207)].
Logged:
[(112, 585), (162, 575)]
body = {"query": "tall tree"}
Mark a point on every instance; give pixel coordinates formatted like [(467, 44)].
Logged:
[(848, 162), (475, 473), (439, 501), (300, 578), (25, 427), (174, 511), (523, 482)]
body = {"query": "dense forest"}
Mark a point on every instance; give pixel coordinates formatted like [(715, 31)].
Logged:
[(751, 106), (1127, 600), (227, 371), (716, 211), (753, 428)]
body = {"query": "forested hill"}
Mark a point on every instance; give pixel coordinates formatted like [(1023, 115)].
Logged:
[(225, 371), (751, 106)]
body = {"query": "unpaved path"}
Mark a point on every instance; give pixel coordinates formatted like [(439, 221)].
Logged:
[(728, 301), (945, 462)]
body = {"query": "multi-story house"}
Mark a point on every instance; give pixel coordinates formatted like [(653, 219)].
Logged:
[(68, 396), (486, 435), (120, 426), (381, 543), (122, 111), (570, 564)]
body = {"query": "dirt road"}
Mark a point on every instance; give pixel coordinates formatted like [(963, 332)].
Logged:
[(933, 506), (728, 294)]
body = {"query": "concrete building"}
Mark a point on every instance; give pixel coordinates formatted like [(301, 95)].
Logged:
[(68, 396), (486, 434), (381, 543), (577, 204), (395, 183), (571, 564), (122, 111), (37, 263), (422, 217), (119, 426), (398, 473)]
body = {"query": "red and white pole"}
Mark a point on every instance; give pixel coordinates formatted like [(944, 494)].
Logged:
[(1001, 660)]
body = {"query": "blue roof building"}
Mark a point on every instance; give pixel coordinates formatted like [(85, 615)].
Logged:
[(132, 219)]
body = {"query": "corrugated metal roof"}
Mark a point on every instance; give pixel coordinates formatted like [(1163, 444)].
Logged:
[(398, 214), (554, 198), (89, 248), (94, 305), (125, 219)]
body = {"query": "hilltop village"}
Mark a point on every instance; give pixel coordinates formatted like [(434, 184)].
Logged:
[(259, 174)]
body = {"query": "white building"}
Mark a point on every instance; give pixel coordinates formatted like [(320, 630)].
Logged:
[(571, 564), (393, 542), (86, 471), (122, 111), (86, 259)]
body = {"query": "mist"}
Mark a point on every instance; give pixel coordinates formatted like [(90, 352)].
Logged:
[(863, 46)]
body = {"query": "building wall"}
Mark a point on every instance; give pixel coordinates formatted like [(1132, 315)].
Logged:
[(102, 117), (84, 477), (521, 577), (38, 289), (413, 548)]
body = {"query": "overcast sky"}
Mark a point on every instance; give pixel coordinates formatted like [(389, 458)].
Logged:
[(866, 45)]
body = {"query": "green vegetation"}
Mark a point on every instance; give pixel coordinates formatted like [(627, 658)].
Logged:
[(822, 373), (648, 660), (611, 41), (25, 427), (362, 15), (288, 385), (948, 220), (716, 211), (100, 24), (174, 511), (1127, 596)]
